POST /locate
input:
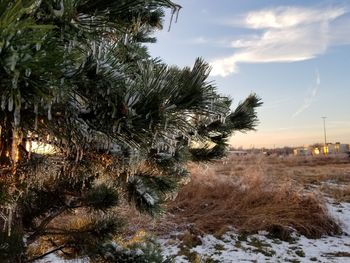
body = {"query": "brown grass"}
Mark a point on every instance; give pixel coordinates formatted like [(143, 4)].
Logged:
[(340, 193), (253, 193), (256, 193)]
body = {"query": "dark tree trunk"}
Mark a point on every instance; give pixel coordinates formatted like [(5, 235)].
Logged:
[(6, 139), (8, 172)]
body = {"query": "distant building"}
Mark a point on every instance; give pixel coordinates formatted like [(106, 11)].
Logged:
[(342, 148), (329, 149), (303, 151), (335, 148)]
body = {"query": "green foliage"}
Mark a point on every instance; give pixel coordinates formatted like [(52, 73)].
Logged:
[(102, 197), (161, 184), (209, 153), (145, 199), (76, 75), (148, 251), (86, 239), (243, 118), (100, 228)]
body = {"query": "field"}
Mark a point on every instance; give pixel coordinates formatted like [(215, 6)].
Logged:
[(259, 209)]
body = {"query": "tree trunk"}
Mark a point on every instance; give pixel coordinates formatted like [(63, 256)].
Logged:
[(9, 154), (6, 139)]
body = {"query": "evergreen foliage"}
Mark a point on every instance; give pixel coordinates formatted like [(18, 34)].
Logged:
[(148, 251), (77, 79)]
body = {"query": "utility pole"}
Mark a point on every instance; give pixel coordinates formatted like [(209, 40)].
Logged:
[(324, 131)]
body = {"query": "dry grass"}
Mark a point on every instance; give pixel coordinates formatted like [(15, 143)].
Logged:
[(255, 193), (308, 172), (340, 193), (250, 202), (330, 175)]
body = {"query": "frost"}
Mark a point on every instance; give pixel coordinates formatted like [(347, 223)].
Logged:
[(149, 199), (29, 147), (9, 227), (126, 39), (49, 113), (17, 115), (38, 46), (34, 6), (99, 54), (28, 72), (13, 61), (15, 80), (36, 109), (93, 48), (139, 252), (98, 68), (3, 102), (10, 104), (60, 11), (173, 12), (6, 214)]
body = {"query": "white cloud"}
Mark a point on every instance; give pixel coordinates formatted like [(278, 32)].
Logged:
[(245, 42), (310, 97), (287, 34), (284, 17)]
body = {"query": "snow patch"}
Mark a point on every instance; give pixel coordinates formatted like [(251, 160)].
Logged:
[(233, 247)]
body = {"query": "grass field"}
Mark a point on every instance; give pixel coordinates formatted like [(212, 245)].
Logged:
[(256, 192), (289, 199)]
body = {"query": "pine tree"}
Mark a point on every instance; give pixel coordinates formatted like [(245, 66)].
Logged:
[(117, 125)]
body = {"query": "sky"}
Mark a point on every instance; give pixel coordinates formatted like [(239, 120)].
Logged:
[(295, 55)]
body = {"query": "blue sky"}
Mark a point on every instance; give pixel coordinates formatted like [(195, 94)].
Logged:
[(294, 54)]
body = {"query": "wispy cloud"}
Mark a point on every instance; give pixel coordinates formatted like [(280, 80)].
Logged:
[(285, 34), (310, 97), (287, 17)]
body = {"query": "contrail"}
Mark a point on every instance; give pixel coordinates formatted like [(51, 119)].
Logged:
[(309, 99)]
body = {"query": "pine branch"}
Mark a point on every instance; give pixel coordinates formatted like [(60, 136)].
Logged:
[(41, 228), (76, 76)]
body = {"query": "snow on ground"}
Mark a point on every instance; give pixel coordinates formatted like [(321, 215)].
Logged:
[(232, 247), (53, 258)]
